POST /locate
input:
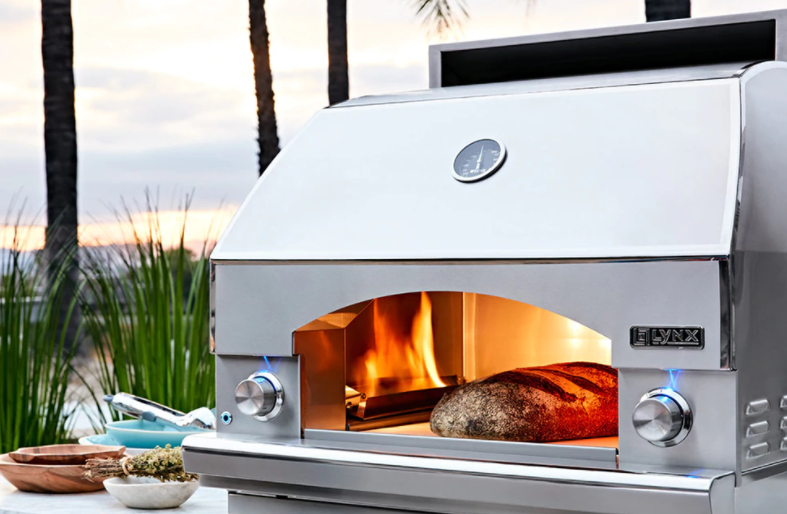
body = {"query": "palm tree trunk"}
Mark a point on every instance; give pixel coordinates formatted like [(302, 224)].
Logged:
[(338, 77), (268, 137), (60, 145), (660, 10)]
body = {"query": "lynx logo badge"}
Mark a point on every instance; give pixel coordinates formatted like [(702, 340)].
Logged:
[(668, 337)]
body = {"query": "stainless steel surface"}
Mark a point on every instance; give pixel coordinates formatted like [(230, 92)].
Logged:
[(606, 297), (760, 264), (212, 308), (570, 457), (757, 450), (762, 473), (762, 496), (570, 83), (138, 407), (315, 452), (443, 485), (444, 502), (202, 418), (261, 396), (586, 220), (759, 428), (614, 37), (573, 191), (727, 310), (250, 396), (662, 417), (248, 504), (504, 450), (352, 399), (714, 434), (323, 380), (756, 407), (657, 419), (230, 371)]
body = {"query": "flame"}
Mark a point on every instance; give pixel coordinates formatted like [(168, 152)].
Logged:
[(409, 356)]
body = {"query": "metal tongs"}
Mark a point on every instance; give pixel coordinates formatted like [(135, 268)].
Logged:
[(138, 407)]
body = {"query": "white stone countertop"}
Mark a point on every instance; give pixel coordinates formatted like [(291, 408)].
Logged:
[(205, 501)]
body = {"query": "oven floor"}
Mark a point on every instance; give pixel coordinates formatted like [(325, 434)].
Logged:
[(422, 429)]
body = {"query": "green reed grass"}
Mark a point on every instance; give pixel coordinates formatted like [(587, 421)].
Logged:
[(146, 311), (34, 364)]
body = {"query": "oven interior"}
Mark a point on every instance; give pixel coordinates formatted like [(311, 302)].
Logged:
[(380, 366)]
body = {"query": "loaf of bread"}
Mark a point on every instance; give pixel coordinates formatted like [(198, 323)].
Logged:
[(575, 400)]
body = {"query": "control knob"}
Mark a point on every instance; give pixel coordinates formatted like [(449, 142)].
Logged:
[(261, 395), (662, 417)]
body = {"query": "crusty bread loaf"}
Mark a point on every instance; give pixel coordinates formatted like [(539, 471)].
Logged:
[(575, 400)]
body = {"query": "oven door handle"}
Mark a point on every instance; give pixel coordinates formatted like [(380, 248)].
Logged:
[(394, 480)]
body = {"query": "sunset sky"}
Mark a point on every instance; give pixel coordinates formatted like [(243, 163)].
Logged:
[(165, 87)]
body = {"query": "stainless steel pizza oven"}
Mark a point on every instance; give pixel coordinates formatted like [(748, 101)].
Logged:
[(616, 196)]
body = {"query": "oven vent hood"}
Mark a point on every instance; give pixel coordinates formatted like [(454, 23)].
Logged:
[(649, 170)]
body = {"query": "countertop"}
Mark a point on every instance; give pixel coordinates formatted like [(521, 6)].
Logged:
[(205, 501)]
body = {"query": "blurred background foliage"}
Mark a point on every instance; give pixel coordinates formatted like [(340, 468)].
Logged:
[(145, 307), (35, 359)]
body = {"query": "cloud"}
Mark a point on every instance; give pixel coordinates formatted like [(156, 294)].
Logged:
[(222, 171), (12, 13), (137, 130), (23, 179), (217, 172), (133, 100), (382, 79)]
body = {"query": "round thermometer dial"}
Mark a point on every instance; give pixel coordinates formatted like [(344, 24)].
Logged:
[(478, 160)]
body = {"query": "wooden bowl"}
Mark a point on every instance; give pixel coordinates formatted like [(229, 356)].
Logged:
[(34, 478), (66, 454)]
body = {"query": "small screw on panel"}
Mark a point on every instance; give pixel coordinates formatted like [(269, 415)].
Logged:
[(226, 418)]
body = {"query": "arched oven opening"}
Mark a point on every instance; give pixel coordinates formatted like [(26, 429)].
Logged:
[(382, 366)]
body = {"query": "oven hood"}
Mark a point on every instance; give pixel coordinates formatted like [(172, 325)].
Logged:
[(624, 171)]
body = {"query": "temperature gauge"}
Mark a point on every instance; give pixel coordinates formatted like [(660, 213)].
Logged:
[(478, 160)]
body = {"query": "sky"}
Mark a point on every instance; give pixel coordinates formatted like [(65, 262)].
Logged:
[(165, 92)]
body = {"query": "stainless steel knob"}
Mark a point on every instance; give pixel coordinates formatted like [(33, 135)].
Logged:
[(662, 418), (261, 395)]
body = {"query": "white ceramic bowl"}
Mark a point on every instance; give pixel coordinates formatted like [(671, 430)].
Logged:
[(149, 493)]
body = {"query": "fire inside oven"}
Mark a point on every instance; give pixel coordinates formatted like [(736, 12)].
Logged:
[(382, 366)]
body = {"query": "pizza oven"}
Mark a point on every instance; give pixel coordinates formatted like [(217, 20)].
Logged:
[(612, 199)]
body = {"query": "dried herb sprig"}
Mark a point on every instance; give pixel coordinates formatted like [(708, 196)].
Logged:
[(165, 464)]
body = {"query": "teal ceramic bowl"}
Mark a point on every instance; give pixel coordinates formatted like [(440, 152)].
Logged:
[(138, 433), (108, 440)]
